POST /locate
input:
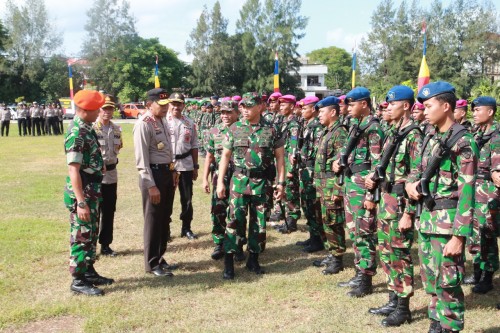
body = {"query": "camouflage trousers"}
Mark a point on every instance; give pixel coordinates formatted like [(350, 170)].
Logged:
[(219, 211), (486, 253), (83, 235), (362, 226), (394, 248), (239, 205), (333, 219), (290, 203), (442, 277), (310, 203)]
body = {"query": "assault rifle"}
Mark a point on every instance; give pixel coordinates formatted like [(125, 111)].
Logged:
[(444, 146), (380, 170), (296, 153)]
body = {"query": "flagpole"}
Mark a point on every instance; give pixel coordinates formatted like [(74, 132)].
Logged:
[(424, 76), (157, 80), (70, 78), (353, 83), (276, 73)]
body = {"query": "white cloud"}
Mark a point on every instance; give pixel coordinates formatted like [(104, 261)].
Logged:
[(340, 38)]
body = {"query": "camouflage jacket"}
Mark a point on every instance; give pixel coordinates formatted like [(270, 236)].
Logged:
[(214, 141), (268, 116), (489, 161), (81, 146), (252, 148), (331, 142), (368, 150), (312, 133), (407, 157), (457, 178)]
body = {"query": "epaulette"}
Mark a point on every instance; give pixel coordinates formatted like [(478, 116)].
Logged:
[(148, 119)]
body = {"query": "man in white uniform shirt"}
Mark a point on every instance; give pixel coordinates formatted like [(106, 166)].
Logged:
[(185, 152)]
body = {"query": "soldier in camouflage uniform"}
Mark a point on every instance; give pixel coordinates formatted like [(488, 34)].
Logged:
[(329, 192), (418, 116), (289, 131), (460, 114), (447, 212), (307, 154), (83, 192), (253, 144), (401, 154), (358, 200), (229, 115), (200, 125), (485, 256)]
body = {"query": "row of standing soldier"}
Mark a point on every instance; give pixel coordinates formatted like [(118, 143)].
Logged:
[(381, 182)]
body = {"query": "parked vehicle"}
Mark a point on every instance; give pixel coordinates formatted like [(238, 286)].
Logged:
[(133, 110), (67, 107), (13, 111)]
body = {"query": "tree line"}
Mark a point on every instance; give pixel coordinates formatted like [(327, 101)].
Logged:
[(462, 47)]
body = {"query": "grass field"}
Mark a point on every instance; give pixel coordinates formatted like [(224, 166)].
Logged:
[(293, 297)]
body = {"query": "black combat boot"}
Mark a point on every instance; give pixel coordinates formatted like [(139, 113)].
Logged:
[(228, 267), (305, 242), (240, 254), (93, 277), (475, 277), (323, 262), (276, 216), (335, 266), (388, 308), (253, 263), (315, 246), (485, 284), (435, 326), (81, 286), (218, 252), (288, 227), (401, 315), (364, 287), (353, 282)]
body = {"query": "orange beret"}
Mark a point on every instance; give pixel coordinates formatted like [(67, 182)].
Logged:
[(89, 100)]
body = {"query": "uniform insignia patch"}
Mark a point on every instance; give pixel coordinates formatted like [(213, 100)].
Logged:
[(426, 92)]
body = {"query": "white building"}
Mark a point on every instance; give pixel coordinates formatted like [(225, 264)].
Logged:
[(312, 79)]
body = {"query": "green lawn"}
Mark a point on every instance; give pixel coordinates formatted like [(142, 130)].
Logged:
[(293, 296)]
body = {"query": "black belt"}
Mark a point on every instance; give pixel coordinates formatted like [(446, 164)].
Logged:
[(250, 173), (444, 203), (398, 189), (182, 156), (359, 168), (483, 174), (166, 166), (88, 178), (110, 167)]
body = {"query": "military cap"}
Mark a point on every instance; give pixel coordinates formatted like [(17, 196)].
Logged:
[(310, 100), (461, 104), (433, 89), (35, 102), (274, 96), (328, 101), (229, 105), (89, 100), (159, 96), (236, 98), (383, 105), (341, 99), (484, 101), (215, 97), (109, 101), (264, 96), (287, 99), (209, 105), (357, 94), (299, 104), (176, 97), (418, 106), (251, 99), (400, 93), (227, 98)]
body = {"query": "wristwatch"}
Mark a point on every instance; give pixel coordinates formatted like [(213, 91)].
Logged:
[(196, 166), (82, 204), (281, 183)]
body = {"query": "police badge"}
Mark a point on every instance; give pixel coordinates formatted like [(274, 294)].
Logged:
[(160, 145)]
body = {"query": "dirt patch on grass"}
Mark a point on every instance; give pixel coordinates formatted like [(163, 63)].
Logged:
[(51, 325)]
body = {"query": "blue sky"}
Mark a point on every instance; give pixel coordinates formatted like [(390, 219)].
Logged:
[(338, 23)]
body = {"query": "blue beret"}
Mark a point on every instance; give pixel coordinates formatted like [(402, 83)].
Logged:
[(484, 100), (357, 94), (330, 100), (400, 93), (433, 89)]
